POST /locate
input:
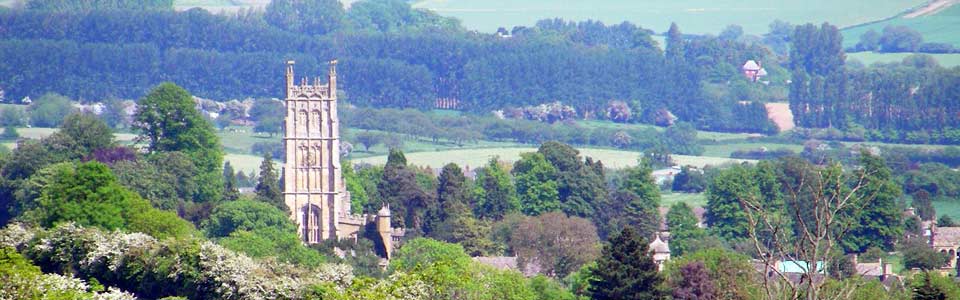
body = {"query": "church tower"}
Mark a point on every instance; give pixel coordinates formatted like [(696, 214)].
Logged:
[(313, 189)]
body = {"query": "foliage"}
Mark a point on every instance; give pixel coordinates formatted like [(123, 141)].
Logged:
[(536, 184), (49, 110), (151, 268), (557, 244), (626, 270), (399, 188), (496, 196), (695, 283), (89, 195), (635, 204), (684, 229), (731, 272), (90, 132), (918, 254), (81, 5), (246, 215), (689, 180), (168, 121), (880, 221), (929, 285), (268, 184), (308, 17)]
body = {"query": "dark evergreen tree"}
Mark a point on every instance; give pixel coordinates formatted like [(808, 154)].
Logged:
[(268, 186), (923, 206), (675, 42), (399, 188), (626, 270), (230, 184)]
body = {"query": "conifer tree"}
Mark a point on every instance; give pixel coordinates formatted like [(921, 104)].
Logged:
[(674, 48), (626, 270), (268, 185), (230, 191)]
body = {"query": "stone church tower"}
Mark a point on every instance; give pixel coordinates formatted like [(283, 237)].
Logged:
[(313, 188)]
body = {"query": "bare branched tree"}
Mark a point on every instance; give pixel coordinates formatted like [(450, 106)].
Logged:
[(822, 203)]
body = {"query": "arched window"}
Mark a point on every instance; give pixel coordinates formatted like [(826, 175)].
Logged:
[(302, 123), (315, 123), (311, 223)]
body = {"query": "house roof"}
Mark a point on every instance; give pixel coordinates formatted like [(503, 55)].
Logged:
[(946, 237), (762, 72), (659, 246), (869, 269), (793, 266), (751, 65)]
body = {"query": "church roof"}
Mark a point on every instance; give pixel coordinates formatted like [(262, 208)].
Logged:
[(659, 246)]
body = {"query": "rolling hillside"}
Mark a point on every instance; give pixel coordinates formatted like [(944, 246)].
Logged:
[(939, 24), (693, 16)]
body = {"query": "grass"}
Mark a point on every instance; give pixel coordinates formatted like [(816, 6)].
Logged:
[(477, 157), (693, 16), (941, 27), (869, 58), (691, 199), (948, 208), (706, 135), (724, 150)]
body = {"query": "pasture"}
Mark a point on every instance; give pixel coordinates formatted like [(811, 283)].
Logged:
[(693, 16), (615, 159), (869, 58), (940, 27), (947, 208), (668, 199)]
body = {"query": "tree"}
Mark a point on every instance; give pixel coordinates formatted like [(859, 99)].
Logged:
[(684, 231), (880, 221), (497, 194), (696, 283), (869, 41), (49, 110), (681, 138), (724, 216), (451, 190), (931, 286), (918, 254), (90, 132), (626, 270), (230, 191), (732, 273), (675, 43), (923, 205), (634, 204), (689, 180), (398, 187), (731, 32), (268, 185), (303, 16), (245, 215), (900, 39), (558, 244), (12, 116), (536, 184), (369, 139), (946, 221), (10, 133), (358, 195), (168, 120)]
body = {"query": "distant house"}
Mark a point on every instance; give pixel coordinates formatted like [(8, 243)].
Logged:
[(663, 175), (753, 70), (661, 252)]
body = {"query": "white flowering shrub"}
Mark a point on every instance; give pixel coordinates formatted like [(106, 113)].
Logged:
[(114, 294), (191, 268), (15, 236)]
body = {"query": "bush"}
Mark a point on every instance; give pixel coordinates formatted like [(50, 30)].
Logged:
[(10, 133)]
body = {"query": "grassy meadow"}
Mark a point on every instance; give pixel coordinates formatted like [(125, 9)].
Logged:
[(940, 27), (869, 58), (693, 16)]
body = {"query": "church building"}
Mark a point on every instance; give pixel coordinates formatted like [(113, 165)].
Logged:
[(313, 188)]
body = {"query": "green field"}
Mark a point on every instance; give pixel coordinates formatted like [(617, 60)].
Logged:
[(693, 16), (869, 58), (693, 200), (948, 208), (941, 27), (477, 157), (724, 150)]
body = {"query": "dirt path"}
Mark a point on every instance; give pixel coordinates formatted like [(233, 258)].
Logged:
[(931, 8), (781, 115)]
